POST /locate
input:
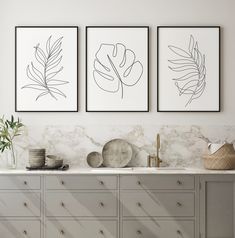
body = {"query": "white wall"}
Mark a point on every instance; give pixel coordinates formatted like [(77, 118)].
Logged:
[(119, 12)]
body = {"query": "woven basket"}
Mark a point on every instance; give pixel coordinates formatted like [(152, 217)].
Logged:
[(222, 159)]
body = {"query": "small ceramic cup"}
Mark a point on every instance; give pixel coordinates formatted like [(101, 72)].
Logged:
[(54, 161)]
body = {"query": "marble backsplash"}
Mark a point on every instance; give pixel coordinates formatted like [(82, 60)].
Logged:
[(181, 146)]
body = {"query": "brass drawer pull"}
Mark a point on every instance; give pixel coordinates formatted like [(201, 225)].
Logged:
[(62, 204), (101, 182), (25, 204), (101, 204), (62, 232), (179, 182), (138, 182), (25, 232), (139, 204), (62, 182), (179, 232), (25, 183), (139, 232), (101, 232), (179, 204)]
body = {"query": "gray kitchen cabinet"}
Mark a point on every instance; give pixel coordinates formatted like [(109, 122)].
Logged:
[(81, 182), (117, 206), (81, 204), (20, 204), (81, 228), (20, 229), (217, 206), (152, 203), (20, 182), (157, 181), (158, 206), (158, 229)]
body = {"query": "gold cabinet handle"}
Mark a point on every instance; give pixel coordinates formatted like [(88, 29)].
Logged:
[(179, 182), (101, 232), (139, 204), (25, 232), (138, 182), (179, 204), (101, 182), (62, 204), (62, 182), (25, 183), (62, 232), (25, 204), (179, 232), (101, 204), (139, 232)]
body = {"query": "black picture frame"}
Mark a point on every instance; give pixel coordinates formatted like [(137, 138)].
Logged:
[(77, 68), (219, 67), (115, 27)]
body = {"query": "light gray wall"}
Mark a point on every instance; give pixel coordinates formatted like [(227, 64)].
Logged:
[(119, 12)]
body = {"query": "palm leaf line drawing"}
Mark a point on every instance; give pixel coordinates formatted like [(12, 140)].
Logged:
[(43, 76), (191, 70)]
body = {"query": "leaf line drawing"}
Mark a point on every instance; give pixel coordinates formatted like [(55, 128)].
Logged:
[(115, 66), (190, 65), (43, 73)]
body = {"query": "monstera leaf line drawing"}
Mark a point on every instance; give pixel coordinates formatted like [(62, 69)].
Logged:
[(190, 66), (115, 66), (44, 72)]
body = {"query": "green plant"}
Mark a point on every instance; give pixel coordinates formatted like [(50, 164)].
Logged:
[(9, 129)]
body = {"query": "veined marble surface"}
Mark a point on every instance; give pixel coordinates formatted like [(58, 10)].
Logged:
[(181, 146), (117, 171)]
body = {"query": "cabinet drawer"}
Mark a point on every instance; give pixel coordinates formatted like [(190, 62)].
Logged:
[(156, 229), (87, 204), (14, 204), (19, 182), (157, 182), (74, 229), (166, 204), (81, 182), (20, 229)]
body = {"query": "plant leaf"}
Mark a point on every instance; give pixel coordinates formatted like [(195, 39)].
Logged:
[(115, 66), (191, 44), (34, 86), (37, 72), (182, 61), (186, 76), (53, 74), (57, 91), (56, 43), (42, 94), (54, 82), (41, 74), (31, 76), (53, 64), (185, 67), (179, 52), (191, 68), (48, 46)]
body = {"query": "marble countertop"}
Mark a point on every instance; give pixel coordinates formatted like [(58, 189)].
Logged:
[(137, 170)]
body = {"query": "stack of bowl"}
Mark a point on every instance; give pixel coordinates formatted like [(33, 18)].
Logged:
[(37, 158)]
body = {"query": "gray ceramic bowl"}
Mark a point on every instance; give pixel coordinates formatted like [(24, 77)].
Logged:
[(94, 159), (53, 161)]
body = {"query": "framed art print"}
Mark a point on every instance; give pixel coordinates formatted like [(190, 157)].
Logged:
[(46, 60), (188, 68), (117, 70)]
